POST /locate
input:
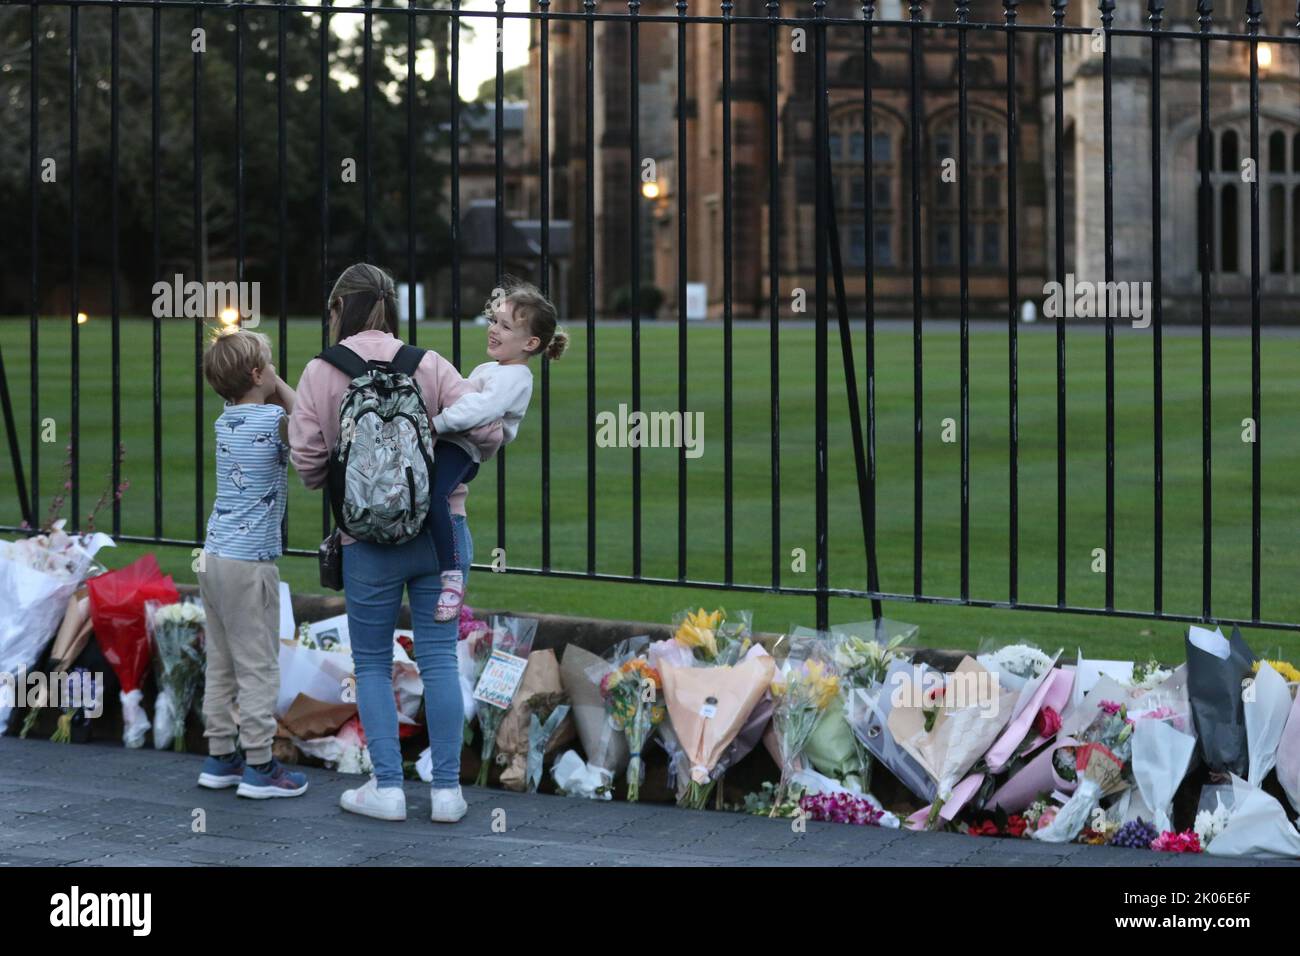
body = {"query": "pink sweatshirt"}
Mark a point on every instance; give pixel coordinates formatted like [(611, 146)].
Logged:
[(314, 424)]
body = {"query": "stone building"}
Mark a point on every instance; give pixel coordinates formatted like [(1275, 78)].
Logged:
[(789, 118)]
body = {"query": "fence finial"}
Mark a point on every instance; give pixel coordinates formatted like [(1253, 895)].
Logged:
[(868, 10), (1253, 12), (1009, 7), (1206, 10), (1107, 8), (1058, 11), (1155, 12), (963, 10), (914, 9)]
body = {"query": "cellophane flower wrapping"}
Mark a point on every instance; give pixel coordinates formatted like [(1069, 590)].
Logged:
[(1100, 772), (544, 719), (83, 691), (176, 636), (806, 684), (863, 654), (511, 635), (714, 637), (37, 577), (117, 600), (633, 693)]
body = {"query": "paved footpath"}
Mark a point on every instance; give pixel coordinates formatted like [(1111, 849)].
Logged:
[(102, 805)]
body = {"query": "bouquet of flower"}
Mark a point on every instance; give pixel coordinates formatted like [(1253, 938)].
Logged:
[(1161, 756), (545, 713), (37, 577), (117, 608), (867, 712), (840, 808), (1216, 667), (948, 723), (72, 638), (804, 687), (862, 654), (1112, 727), (1266, 702), (1257, 826), (713, 637), (1100, 772), (1016, 664), (345, 750), (498, 676), (633, 695), (176, 634), (765, 802), (83, 696), (708, 708), (603, 745)]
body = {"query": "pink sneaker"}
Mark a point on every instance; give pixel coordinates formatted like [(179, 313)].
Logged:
[(451, 598)]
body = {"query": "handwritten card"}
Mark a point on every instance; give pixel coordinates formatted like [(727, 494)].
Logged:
[(501, 675)]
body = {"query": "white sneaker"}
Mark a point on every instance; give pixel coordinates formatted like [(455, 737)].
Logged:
[(387, 803), (448, 804)]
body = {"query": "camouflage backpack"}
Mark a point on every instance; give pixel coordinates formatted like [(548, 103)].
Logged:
[(381, 470)]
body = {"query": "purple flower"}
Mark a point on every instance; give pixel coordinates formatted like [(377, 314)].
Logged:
[(1135, 835), (840, 808)]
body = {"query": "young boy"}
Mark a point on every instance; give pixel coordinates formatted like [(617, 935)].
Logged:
[(238, 579)]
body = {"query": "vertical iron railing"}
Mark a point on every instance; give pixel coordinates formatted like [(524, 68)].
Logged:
[(914, 283)]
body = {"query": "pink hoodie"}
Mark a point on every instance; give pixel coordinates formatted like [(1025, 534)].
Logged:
[(314, 424)]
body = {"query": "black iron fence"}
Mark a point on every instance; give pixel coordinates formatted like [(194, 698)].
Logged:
[(901, 246)]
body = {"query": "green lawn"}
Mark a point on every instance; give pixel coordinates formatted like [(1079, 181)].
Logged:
[(942, 625)]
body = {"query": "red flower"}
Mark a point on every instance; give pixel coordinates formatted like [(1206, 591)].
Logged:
[(1047, 723), (1016, 825), (983, 828)]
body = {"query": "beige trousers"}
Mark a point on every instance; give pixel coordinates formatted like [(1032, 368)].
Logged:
[(242, 602)]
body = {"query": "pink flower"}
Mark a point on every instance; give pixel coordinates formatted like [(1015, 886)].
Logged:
[(1172, 842), (1046, 818), (1047, 723), (1110, 707)]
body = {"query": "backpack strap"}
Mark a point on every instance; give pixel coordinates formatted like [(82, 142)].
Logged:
[(345, 360), (407, 360)]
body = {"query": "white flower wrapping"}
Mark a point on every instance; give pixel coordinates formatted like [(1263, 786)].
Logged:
[(37, 577)]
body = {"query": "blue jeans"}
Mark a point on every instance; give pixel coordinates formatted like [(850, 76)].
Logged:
[(374, 576), (451, 466)]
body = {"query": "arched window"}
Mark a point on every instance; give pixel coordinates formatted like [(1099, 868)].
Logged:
[(986, 171), (1278, 172), (854, 190)]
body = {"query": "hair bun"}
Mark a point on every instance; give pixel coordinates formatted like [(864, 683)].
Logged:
[(559, 342)]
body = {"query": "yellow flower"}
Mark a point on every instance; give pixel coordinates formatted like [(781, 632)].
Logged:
[(697, 631), (1289, 672), (822, 686)]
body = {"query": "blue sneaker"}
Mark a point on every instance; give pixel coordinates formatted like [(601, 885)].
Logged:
[(278, 783), (220, 772)]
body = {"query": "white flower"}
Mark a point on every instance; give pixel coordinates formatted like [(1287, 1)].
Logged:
[(1154, 678), (1209, 824), (1022, 660)]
